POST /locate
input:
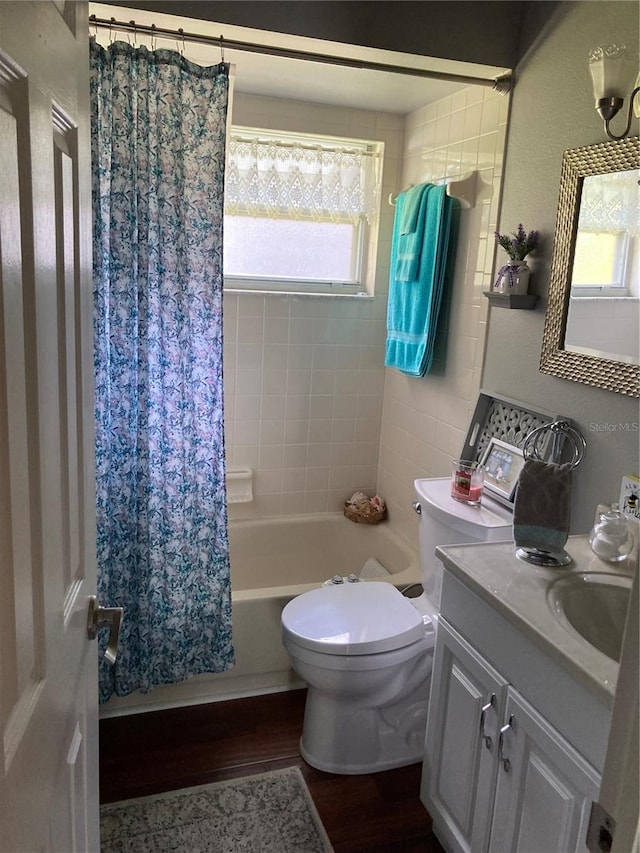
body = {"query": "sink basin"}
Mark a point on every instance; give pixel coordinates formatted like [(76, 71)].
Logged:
[(593, 604)]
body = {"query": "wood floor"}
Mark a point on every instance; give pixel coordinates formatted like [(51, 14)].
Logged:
[(164, 750)]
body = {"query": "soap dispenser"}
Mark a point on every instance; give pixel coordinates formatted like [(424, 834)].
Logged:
[(610, 538)]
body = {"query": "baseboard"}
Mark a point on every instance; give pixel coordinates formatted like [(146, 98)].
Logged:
[(200, 690)]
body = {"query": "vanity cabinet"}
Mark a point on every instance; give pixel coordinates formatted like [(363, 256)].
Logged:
[(497, 775)]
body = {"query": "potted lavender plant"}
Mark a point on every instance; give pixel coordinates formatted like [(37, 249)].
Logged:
[(513, 277)]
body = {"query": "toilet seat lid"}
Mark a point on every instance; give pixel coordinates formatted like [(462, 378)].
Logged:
[(352, 619)]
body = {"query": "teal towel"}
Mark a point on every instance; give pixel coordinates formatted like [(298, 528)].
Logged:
[(542, 507), (411, 209), (414, 305)]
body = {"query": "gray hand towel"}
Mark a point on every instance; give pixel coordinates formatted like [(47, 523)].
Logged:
[(542, 508)]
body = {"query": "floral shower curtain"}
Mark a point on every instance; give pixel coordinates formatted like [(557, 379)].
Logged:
[(158, 149)]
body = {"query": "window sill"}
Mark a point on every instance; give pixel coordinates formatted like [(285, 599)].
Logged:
[(331, 294)]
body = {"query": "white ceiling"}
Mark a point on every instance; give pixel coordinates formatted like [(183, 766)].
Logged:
[(331, 84), (304, 80)]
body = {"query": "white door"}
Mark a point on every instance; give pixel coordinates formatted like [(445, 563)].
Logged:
[(48, 670), (459, 771), (545, 788)]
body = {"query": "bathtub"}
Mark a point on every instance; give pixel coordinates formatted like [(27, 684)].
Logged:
[(272, 561)]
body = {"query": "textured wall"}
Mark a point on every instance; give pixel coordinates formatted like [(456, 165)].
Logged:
[(552, 110)]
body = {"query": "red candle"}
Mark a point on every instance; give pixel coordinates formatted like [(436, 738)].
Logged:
[(462, 488)]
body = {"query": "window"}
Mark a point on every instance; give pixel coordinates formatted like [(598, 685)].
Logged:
[(600, 261), (300, 211), (608, 237)]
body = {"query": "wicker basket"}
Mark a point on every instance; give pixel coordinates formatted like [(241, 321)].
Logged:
[(370, 516)]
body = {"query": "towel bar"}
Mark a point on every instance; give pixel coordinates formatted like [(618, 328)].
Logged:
[(463, 189)]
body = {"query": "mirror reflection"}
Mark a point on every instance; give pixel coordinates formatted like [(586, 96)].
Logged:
[(603, 314)]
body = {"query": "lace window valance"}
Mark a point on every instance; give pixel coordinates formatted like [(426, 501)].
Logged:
[(301, 179)]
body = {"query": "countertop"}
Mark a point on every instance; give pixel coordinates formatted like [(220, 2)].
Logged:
[(519, 590)]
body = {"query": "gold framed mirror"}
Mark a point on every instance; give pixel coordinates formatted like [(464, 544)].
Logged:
[(612, 364)]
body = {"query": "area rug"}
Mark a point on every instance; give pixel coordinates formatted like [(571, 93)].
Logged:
[(269, 813)]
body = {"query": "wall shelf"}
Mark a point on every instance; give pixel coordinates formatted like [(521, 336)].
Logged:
[(525, 301)]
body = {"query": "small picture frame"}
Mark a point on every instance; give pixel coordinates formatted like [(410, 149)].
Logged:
[(502, 464)]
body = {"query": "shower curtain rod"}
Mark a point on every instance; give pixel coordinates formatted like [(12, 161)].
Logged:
[(501, 85)]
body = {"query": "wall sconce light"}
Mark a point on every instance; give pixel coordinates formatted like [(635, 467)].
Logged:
[(611, 71)]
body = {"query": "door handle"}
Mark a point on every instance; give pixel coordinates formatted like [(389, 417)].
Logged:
[(105, 617), (488, 740), (505, 761)]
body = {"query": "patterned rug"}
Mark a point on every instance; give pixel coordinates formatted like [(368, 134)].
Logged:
[(269, 813)]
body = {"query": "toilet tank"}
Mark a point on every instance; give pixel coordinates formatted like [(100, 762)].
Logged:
[(445, 521)]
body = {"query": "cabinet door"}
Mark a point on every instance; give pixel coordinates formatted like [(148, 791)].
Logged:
[(544, 788), (461, 743)]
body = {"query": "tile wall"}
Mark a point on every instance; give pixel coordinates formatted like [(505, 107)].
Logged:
[(309, 405), (424, 421), (304, 375)]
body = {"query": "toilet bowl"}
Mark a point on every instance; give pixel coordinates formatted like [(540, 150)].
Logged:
[(366, 651), (366, 655)]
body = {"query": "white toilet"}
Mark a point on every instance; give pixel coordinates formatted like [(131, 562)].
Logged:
[(366, 651)]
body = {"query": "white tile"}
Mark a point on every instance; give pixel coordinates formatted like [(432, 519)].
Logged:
[(442, 131), (272, 432), (277, 305), (272, 407), (274, 381), (347, 382), (345, 406), (296, 431), (490, 116), (249, 356), (316, 502), (249, 382), (245, 456), (247, 433), (341, 454), (293, 503), (300, 356), (456, 127), (321, 407), (301, 330), (472, 121), (298, 382), (343, 429), (295, 455), (250, 305), (276, 330), (275, 355), (317, 479), (340, 480), (318, 454), (268, 480), (250, 329), (293, 479), (297, 407), (324, 356), (322, 382), (271, 456), (248, 408)]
